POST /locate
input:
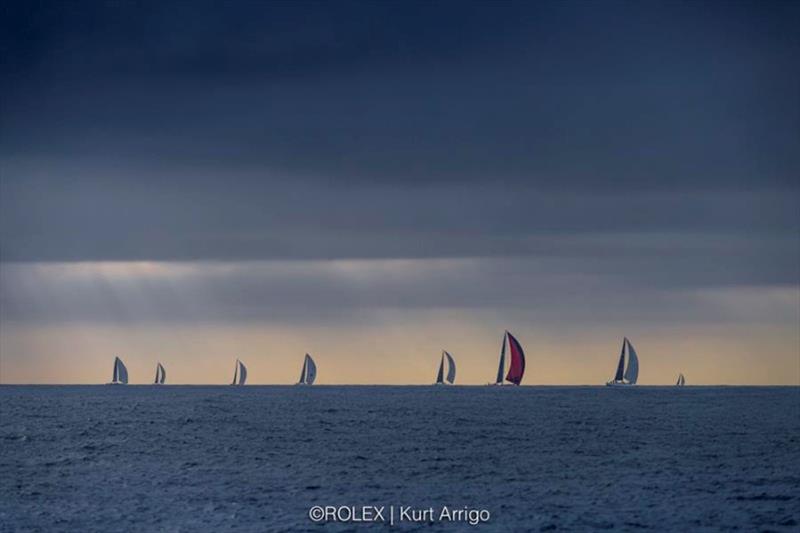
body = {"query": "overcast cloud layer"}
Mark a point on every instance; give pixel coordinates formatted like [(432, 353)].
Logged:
[(196, 131), (613, 166)]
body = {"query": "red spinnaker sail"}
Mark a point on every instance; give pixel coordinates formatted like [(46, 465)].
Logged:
[(517, 368)]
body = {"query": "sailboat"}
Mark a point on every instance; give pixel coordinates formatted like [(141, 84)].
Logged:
[(516, 366), (681, 381), (451, 369), (120, 376), (240, 374), (161, 375), (631, 373), (309, 372)]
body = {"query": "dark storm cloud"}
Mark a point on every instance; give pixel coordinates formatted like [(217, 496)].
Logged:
[(318, 130), (742, 237)]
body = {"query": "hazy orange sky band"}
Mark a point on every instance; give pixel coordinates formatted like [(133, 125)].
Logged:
[(369, 322)]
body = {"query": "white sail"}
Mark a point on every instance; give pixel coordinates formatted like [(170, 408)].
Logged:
[(501, 370), (311, 370), (242, 373), (161, 374), (440, 373), (120, 372), (632, 372), (303, 371), (451, 371)]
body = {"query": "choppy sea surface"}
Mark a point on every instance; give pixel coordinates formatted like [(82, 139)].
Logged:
[(174, 458)]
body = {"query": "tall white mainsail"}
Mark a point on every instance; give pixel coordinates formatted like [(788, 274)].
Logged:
[(239, 374), (501, 370), (242, 373), (309, 372), (303, 370), (161, 374), (447, 359), (626, 375), (451, 370), (120, 376), (632, 372)]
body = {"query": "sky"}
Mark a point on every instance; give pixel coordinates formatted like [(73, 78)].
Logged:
[(373, 182)]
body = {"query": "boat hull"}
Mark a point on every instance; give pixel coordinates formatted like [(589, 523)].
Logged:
[(618, 384)]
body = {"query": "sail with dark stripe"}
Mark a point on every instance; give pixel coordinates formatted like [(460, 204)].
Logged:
[(621, 365), (161, 375), (626, 374), (120, 376), (239, 374), (309, 372)]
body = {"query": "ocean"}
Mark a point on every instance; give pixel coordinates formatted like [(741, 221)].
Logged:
[(263, 458)]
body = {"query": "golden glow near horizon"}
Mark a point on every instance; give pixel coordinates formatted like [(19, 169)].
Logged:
[(405, 353), (372, 342)]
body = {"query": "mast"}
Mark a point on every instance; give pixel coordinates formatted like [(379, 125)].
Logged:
[(502, 367)]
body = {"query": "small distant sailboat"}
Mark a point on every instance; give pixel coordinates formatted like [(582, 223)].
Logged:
[(120, 376), (240, 374), (309, 372), (451, 369), (681, 381), (516, 366), (161, 375), (629, 375)]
